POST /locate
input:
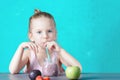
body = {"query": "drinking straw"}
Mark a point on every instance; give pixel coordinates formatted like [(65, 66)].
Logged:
[(48, 55)]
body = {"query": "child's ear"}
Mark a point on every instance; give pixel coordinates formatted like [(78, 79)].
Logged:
[(30, 36)]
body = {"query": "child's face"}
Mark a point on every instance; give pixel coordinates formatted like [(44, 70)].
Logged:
[(42, 30)]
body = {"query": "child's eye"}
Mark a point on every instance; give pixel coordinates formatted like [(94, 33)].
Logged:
[(49, 30), (39, 32)]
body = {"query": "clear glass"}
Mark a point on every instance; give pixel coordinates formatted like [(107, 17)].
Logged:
[(50, 67)]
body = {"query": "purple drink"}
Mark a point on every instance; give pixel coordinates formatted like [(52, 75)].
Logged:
[(50, 69)]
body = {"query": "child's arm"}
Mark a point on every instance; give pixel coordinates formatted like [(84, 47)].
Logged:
[(68, 60), (20, 57), (18, 61)]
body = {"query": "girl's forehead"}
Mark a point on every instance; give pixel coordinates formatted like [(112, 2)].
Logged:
[(42, 22)]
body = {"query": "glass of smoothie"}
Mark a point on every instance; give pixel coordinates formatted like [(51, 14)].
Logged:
[(49, 68)]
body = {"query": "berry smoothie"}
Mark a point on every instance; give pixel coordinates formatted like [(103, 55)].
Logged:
[(50, 69)]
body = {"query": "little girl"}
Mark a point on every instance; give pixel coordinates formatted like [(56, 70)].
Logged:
[(32, 54)]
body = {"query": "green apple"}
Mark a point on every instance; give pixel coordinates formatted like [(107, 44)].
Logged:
[(73, 72)]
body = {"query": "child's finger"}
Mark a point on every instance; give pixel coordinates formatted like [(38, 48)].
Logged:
[(35, 48), (29, 46), (45, 45), (53, 46), (56, 46), (32, 47)]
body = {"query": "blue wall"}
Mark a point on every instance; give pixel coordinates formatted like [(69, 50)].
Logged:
[(88, 29)]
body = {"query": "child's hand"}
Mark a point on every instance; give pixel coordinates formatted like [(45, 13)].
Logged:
[(30, 45), (53, 46)]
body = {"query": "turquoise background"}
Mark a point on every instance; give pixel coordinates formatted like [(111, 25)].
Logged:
[(88, 29)]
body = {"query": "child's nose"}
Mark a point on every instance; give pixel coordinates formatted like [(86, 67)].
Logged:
[(45, 35)]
